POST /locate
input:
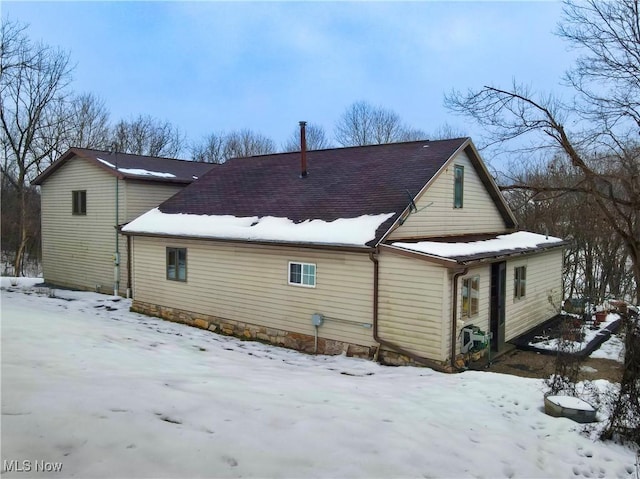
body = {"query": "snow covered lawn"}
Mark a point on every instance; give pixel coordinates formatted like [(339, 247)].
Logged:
[(109, 393)]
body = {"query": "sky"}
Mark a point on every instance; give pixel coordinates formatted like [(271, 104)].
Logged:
[(217, 66)]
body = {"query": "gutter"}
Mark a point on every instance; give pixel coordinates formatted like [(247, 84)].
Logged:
[(383, 342)]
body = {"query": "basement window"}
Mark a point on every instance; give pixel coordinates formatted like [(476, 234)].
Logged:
[(470, 296), (79, 202), (177, 264), (302, 274), (519, 282), (458, 186)]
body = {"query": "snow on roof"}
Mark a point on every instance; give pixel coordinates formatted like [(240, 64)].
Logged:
[(110, 165), (138, 171), (141, 172), (343, 231), (514, 241)]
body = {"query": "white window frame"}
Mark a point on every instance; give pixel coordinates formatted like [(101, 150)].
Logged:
[(468, 312), (519, 282), (302, 274), (458, 184), (177, 252)]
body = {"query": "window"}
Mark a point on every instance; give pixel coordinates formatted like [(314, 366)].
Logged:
[(458, 185), (79, 202), (302, 274), (519, 282), (470, 296), (177, 264)]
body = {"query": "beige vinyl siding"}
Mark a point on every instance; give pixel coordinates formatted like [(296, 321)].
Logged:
[(543, 294), (143, 196), (436, 215), (77, 250), (411, 305), (249, 283), (481, 319), (139, 198)]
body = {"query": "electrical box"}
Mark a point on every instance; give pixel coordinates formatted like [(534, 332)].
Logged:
[(317, 319)]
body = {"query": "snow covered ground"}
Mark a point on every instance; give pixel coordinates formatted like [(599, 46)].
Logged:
[(109, 393)]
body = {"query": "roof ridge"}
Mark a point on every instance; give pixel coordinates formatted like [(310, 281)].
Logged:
[(373, 145), (108, 152)]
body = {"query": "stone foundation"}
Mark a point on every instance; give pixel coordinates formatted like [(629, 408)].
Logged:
[(242, 330), (463, 360), (393, 358)]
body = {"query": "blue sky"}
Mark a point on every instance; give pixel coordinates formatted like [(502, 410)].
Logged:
[(212, 66)]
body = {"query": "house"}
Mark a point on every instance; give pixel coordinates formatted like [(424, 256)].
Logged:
[(392, 251), (85, 195)]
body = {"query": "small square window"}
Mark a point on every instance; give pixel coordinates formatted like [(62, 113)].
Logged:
[(79, 202), (177, 264), (519, 282), (458, 186), (302, 274), (470, 296)]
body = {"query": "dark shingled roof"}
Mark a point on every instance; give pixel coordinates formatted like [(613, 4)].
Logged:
[(183, 170), (342, 183)]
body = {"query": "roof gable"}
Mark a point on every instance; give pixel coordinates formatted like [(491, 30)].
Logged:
[(133, 167), (341, 183), (432, 212)]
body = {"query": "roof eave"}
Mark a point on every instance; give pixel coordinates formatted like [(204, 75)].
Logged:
[(472, 260), (490, 185), (294, 244), (498, 255), (448, 262)]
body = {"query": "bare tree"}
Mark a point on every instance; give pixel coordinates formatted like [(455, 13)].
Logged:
[(595, 262), (247, 143), (33, 89), (364, 124), (447, 131), (415, 134), (210, 150), (607, 75), (220, 147), (315, 135), (596, 135), (145, 135), (88, 123)]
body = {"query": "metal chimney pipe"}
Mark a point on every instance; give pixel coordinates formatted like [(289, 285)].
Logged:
[(303, 149)]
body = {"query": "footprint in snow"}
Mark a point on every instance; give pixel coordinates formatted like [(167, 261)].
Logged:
[(230, 460)]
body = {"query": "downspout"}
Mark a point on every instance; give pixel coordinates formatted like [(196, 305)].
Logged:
[(383, 342), (454, 312), (116, 255), (128, 266)]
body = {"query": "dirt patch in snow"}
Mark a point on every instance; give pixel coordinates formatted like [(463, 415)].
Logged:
[(531, 364)]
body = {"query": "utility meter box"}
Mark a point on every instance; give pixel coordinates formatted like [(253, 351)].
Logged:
[(317, 319)]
